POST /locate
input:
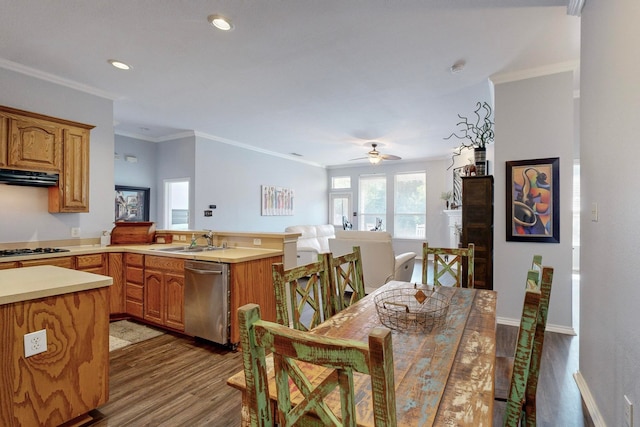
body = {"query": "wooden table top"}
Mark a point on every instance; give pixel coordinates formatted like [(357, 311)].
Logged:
[(442, 377)]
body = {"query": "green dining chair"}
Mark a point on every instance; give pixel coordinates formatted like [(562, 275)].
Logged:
[(304, 292), (347, 279), (449, 265), (291, 349)]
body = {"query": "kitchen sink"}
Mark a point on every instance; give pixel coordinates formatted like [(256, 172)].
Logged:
[(187, 249)]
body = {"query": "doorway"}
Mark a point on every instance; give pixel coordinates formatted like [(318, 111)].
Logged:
[(176, 204)]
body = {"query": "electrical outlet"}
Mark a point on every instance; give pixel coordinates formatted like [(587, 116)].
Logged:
[(257, 242), (35, 343), (75, 231), (183, 238), (628, 412)]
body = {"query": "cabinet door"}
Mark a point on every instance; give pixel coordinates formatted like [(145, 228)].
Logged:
[(4, 139), (477, 226), (116, 290), (174, 288), (72, 192), (153, 297), (34, 145)]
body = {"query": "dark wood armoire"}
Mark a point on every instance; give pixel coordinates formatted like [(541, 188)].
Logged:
[(477, 226)]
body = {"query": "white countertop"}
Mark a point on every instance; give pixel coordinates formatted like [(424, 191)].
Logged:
[(28, 283)]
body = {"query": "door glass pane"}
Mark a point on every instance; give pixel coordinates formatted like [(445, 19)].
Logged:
[(340, 207)]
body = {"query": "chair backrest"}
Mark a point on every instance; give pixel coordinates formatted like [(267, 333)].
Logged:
[(536, 354), (522, 360), (448, 265), (376, 249), (290, 347), (305, 291), (347, 279)]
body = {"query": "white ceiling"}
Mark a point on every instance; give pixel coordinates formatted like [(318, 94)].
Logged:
[(317, 78)]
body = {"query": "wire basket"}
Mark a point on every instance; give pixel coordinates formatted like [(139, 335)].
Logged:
[(412, 310)]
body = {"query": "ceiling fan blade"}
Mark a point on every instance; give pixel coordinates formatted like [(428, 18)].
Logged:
[(359, 158), (390, 157)]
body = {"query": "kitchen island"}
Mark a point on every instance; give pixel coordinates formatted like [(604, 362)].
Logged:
[(71, 376)]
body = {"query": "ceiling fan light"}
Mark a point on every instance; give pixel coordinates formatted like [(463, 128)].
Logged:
[(374, 160)]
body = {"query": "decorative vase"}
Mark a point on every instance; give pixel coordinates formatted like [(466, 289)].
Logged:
[(480, 159)]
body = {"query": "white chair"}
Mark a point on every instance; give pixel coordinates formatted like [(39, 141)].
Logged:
[(379, 263)]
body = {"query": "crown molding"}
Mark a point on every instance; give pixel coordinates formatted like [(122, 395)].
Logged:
[(514, 76), (41, 75)]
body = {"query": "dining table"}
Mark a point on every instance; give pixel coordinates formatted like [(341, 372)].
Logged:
[(444, 372)]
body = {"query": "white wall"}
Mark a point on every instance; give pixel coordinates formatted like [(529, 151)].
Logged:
[(230, 178), (142, 173), (24, 216), (610, 293), (534, 119)]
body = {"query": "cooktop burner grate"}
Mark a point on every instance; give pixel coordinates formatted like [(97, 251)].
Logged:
[(36, 251)]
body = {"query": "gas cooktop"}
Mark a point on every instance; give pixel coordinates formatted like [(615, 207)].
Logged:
[(36, 251)]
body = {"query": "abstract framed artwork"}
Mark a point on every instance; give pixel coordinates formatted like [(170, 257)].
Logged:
[(132, 203), (533, 200), (276, 200)]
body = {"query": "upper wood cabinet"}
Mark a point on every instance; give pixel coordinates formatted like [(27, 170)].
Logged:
[(34, 145), (34, 142), (72, 192)]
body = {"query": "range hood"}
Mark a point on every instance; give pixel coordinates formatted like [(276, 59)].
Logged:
[(26, 178)]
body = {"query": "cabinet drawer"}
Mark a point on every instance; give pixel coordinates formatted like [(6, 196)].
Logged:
[(134, 259), (134, 292), (165, 263), (66, 262), (135, 275), (134, 308), (89, 261)]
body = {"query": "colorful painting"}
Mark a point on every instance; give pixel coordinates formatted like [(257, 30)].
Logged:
[(277, 200), (533, 206)]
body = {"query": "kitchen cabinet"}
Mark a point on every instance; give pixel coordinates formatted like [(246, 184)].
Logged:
[(93, 263), (35, 142), (164, 291), (252, 282), (117, 303), (8, 265), (34, 145), (477, 226), (72, 192), (134, 284), (65, 262)]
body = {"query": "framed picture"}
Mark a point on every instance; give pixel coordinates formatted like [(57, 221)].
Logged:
[(132, 203), (533, 200), (276, 200)]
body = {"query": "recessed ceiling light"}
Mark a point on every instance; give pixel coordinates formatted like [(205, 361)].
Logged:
[(220, 22), (119, 64)]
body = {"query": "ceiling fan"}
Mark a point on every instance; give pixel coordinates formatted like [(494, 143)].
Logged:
[(375, 157)]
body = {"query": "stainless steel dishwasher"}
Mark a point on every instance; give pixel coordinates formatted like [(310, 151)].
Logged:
[(206, 300)]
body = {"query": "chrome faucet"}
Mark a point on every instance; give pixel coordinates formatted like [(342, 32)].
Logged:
[(208, 235)]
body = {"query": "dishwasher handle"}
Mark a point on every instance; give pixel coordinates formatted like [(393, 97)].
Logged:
[(198, 271)]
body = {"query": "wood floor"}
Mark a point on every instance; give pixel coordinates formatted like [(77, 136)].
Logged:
[(175, 381)]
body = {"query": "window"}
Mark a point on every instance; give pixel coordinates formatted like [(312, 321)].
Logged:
[(372, 201), (410, 205), (176, 202), (340, 182)]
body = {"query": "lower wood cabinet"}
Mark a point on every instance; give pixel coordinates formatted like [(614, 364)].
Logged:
[(164, 291), (116, 290), (134, 284)]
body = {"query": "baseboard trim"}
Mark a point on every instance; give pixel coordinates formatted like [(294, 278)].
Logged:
[(588, 403), (567, 330)]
